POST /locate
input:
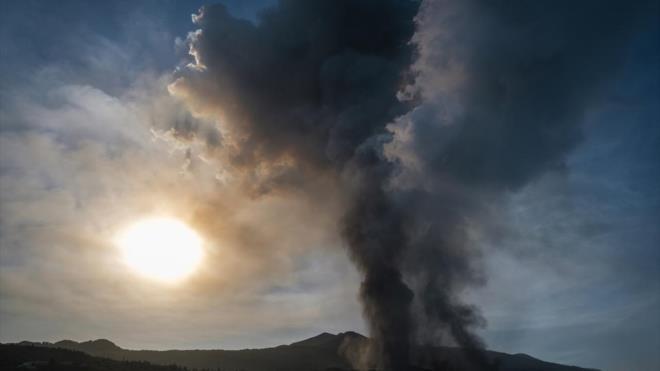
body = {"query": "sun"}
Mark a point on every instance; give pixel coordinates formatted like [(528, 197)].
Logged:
[(163, 249)]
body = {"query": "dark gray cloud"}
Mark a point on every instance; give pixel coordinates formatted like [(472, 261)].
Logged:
[(309, 86), (504, 91), (500, 92), (311, 80), (507, 86)]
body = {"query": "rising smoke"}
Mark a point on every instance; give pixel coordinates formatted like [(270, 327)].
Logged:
[(421, 112)]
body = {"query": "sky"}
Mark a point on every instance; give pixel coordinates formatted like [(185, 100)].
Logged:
[(111, 112)]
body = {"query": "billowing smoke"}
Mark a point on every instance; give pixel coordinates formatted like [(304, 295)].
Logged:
[(309, 91), (504, 88), (419, 113)]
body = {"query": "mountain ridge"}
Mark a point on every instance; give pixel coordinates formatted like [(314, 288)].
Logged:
[(324, 351)]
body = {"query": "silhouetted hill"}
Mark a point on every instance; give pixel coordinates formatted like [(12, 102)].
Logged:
[(100, 346), (329, 341), (322, 352), (15, 357)]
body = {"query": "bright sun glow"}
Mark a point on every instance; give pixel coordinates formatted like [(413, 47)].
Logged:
[(164, 249)]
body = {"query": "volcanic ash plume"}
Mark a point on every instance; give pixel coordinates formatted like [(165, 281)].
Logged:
[(309, 91), (420, 114)]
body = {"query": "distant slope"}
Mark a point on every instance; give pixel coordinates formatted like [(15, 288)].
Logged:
[(322, 352), (15, 357)]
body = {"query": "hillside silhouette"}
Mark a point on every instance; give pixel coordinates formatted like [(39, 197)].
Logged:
[(322, 352), (14, 357)]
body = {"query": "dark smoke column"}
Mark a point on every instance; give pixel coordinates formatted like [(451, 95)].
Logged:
[(499, 92), (313, 85), (375, 232), (503, 89)]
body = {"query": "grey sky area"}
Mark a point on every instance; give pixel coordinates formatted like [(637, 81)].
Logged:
[(106, 118)]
